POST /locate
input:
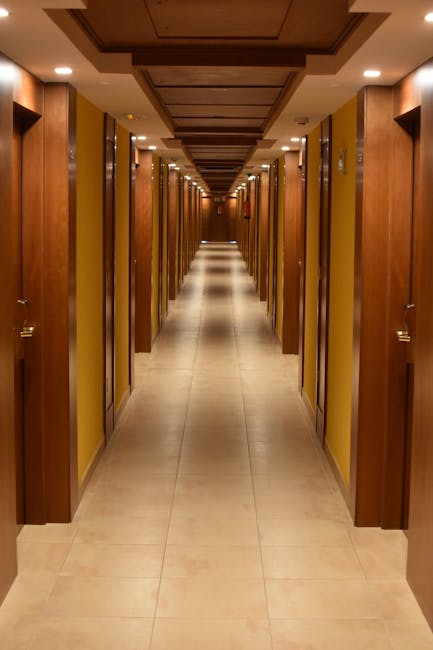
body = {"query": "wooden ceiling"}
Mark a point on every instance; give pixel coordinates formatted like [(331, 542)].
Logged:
[(219, 70)]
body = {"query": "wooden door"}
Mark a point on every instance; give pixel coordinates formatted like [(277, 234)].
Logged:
[(325, 210), (303, 255), (109, 171), (21, 310), (402, 320)]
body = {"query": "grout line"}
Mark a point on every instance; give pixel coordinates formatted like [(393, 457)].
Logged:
[(252, 482), (178, 467)]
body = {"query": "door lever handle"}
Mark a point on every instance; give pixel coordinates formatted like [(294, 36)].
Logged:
[(27, 330), (403, 336)]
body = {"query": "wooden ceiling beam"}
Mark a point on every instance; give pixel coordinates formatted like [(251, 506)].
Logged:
[(185, 131), (199, 56), (219, 141)]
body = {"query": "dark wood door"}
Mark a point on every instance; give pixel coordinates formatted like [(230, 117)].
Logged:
[(109, 170), (20, 315), (325, 210)]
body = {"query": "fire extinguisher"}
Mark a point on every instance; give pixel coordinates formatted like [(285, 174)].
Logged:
[(247, 208)]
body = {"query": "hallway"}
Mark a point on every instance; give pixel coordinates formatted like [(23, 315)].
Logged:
[(213, 521)]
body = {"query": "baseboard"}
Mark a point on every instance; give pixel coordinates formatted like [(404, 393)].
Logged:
[(336, 471), (122, 405), (91, 468)]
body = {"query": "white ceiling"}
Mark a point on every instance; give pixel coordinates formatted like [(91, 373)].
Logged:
[(400, 44)]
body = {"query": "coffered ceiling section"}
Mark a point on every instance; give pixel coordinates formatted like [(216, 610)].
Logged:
[(219, 70)]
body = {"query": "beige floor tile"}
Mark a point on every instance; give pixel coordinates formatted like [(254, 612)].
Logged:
[(122, 530), (213, 530), (29, 593), (105, 560), (303, 532), (211, 598), (62, 533), (112, 597), (317, 562), (329, 635), (16, 630), (53, 633), (405, 635), (177, 634), (322, 599), (217, 561), (382, 553), (41, 557), (396, 601)]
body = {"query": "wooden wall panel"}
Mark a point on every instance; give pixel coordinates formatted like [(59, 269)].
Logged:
[(8, 529), (420, 534), (173, 207), (58, 333), (143, 239), (264, 234), (369, 402), (292, 253)]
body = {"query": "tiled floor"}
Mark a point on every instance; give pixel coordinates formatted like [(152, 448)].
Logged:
[(213, 522)]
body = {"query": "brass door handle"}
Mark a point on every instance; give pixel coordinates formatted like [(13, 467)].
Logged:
[(27, 331), (403, 336)]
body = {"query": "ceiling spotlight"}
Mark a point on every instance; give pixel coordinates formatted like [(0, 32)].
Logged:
[(429, 18), (265, 166), (63, 70), (172, 164), (152, 147), (194, 183), (285, 148), (372, 74), (177, 168), (141, 137), (4, 13), (251, 178), (188, 178), (295, 139)]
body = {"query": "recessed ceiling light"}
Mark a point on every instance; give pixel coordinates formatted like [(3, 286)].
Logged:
[(152, 147), (4, 13), (141, 137), (188, 178), (429, 18), (285, 148), (63, 70), (265, 166), (372, 74), (295, 139), (177, 169)]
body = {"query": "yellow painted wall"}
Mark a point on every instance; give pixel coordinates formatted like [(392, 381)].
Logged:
[(155, 253), (121, 325), (312, 267), (90, 127), (341, 285), (280, 250)]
